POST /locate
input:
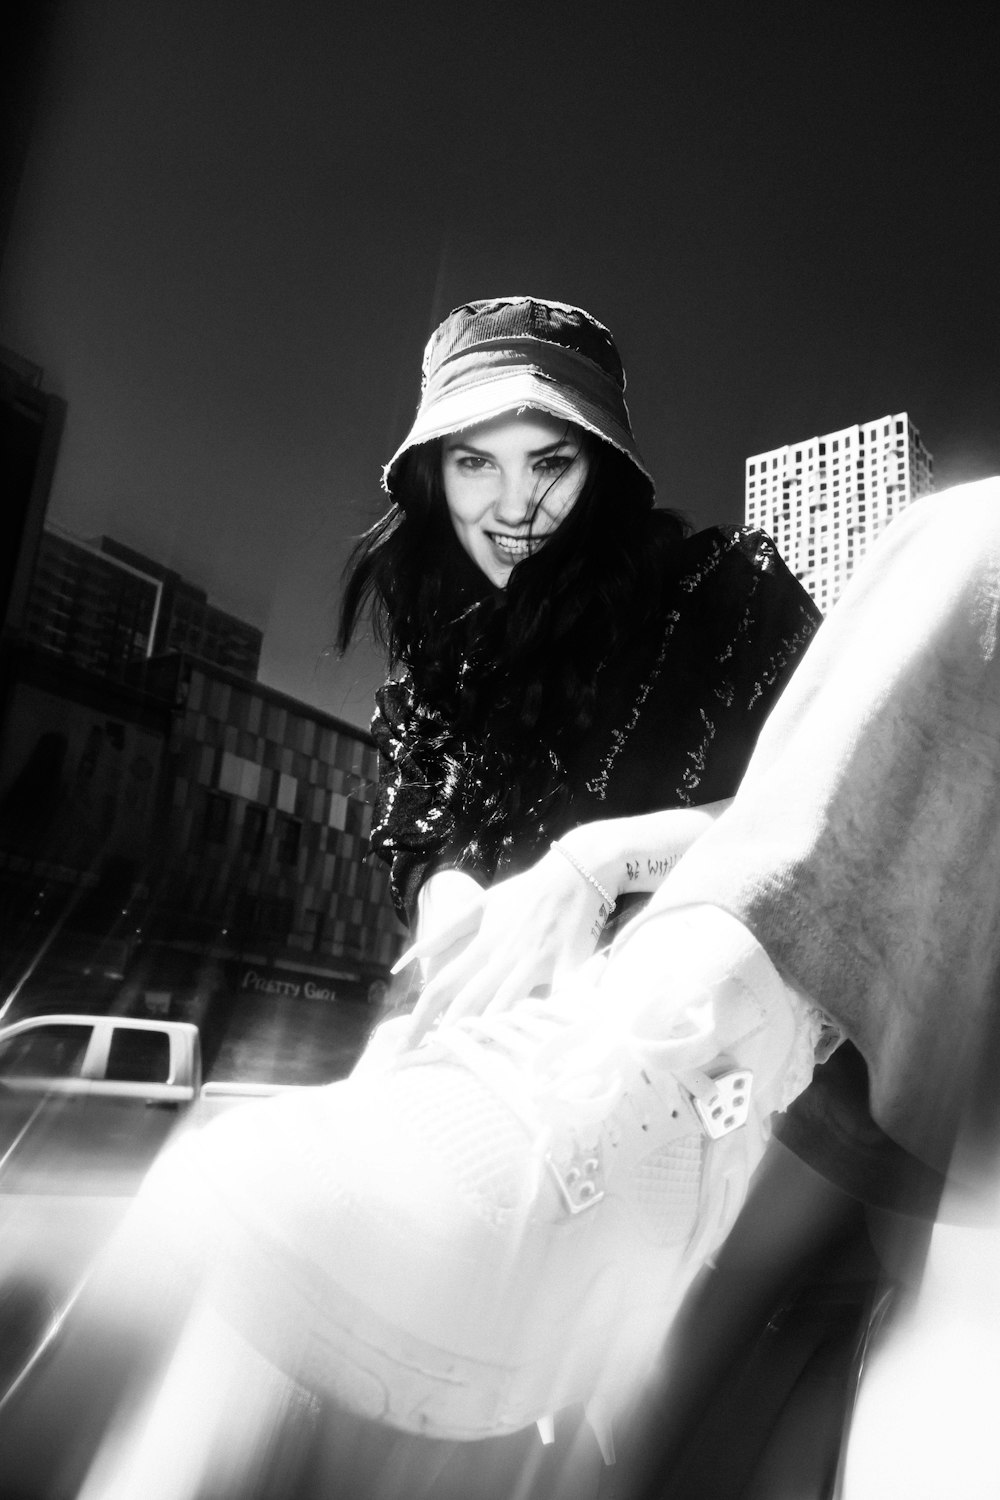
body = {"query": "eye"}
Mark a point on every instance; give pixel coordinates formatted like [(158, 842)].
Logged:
[(469, 462), (555, 463)]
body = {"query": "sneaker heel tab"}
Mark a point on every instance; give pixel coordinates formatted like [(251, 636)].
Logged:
[(721, 1096)]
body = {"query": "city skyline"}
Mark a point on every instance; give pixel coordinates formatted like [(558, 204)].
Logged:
[(237, 226)]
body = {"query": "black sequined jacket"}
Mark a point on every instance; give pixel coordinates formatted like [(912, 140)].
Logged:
[(679, 709)]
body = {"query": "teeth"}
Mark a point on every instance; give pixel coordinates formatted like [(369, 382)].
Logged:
[(519, 545)]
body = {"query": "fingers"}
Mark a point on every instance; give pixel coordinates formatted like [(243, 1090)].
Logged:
[(489, 976), (473, 985), (519, 936), (464, 925), (439, 993), (574, 970), (499, 987), (486, 984)]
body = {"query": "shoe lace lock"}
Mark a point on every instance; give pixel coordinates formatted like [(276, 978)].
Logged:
[(721, 1097)]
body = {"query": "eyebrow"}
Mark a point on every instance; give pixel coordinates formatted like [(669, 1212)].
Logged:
[(549, 448)]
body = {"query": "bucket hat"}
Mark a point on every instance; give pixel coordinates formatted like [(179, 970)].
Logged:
[(514, 353)]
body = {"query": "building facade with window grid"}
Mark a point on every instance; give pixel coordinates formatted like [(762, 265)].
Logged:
[(269, 819), (825, 500), (183, 831), (103, 606), (187, 621), (170, 827), (96, 611)]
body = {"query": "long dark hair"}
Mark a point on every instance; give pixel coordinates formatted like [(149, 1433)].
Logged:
[(520, 663)]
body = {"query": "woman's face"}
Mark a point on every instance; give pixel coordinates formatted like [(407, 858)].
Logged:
[(508, 483)]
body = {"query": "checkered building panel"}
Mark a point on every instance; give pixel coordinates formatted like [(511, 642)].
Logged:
[(271, 814)]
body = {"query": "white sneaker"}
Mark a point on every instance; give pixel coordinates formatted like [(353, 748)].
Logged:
[(502, 1221)]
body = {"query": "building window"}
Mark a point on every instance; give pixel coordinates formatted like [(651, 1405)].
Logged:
[(266, 916), (289, 831), (315, 924), (254, 828), (217, 810), (138, 1056), (51, 1051)]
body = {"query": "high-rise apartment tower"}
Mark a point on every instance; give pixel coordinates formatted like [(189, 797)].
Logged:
[(825, 500)]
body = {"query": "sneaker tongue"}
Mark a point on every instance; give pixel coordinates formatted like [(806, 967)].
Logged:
[(688, 1037)]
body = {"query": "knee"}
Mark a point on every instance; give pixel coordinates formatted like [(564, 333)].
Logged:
[(974, 506), (955, 530)]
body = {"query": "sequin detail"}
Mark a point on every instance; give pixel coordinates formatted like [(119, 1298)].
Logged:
[(733, 621), (688, 583), (598, 785), (790, 648)]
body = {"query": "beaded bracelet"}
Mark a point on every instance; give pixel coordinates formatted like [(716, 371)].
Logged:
[(605, 896)]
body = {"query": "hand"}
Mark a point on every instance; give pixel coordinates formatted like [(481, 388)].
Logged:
[(534, 930), (449, 911)]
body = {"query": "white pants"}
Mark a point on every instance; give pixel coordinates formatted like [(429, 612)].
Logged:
[(863, 848)]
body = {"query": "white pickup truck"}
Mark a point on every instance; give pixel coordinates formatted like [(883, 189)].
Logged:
[(107, 1056), (86, 1103), (88, 1057)]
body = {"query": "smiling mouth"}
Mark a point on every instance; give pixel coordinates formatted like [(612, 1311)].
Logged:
[(513, 546)]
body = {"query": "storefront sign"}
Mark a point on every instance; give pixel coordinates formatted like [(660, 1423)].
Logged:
[(252, 981)]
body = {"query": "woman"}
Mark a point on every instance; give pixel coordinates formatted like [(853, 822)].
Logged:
[(579, 682), (579, 687)]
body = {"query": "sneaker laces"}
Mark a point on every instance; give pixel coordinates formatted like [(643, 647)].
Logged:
[(541, 1058)]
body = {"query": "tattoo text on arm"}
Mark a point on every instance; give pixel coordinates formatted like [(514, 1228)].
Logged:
[(656, 868), (599, 922)]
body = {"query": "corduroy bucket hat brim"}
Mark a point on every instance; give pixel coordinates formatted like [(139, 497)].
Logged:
[(515, 353)]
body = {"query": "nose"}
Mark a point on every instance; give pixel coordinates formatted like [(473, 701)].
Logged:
[(516, 498)]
